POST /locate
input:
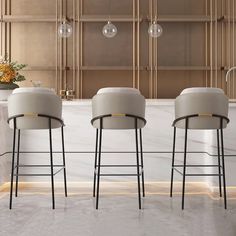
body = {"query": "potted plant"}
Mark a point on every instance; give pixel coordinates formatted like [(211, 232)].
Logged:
[(9, 73)]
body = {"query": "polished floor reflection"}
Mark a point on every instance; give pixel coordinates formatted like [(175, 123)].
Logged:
[(118, 213)]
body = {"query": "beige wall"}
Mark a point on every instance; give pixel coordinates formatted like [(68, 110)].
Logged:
[(196, 48)]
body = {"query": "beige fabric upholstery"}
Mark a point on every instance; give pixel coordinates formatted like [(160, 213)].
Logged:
[(118, 90), (202, 90), (118, 103), (38, 102), (201, 102), (33, 90)]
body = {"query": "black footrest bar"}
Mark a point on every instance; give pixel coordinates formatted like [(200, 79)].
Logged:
[(118, 166), (39, 166), (196, 166), (40, 174), (119, 174)]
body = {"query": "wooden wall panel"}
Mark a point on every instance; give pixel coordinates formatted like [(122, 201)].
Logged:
[(101, 51), (102, 7), (33, 43), (94, 80), (33, 7), (196, 48)]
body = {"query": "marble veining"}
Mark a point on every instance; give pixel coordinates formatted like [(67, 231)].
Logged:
[(157, 137)]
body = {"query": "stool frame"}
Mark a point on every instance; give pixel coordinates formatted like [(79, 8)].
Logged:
[(98, 151), (17, 166), (220, 167)]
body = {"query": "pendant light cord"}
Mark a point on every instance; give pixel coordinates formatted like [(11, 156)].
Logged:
[(109, 11)]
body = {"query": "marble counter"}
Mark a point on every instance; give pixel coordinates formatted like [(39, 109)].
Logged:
[(157, 145)]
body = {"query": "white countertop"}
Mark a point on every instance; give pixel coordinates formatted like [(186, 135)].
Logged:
[(157, 143)]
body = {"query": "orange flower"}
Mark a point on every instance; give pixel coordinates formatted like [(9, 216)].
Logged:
[(7, 73)]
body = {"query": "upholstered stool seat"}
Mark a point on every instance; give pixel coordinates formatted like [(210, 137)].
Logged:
[(35, 101), (201, 101), (201, 109), (117, 109), (35, 108), (202, 90), (118, 101)]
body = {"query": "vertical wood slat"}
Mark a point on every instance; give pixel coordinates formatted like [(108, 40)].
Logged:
[(6, 30), (153, 53), (222, 85), (56, 51), (134, 45), (65, 49), (206, 44), (216, 43), (81, 50), (211, 43), (60, 49), (73, 46), (138, 44), (228, 47), (233, 45), (1, 28), (77, 91), (150, 52), (9, 31), (156, 53)]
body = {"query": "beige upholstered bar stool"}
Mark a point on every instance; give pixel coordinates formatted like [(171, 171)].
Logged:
[(201, 109), (118, 108), (35, 108)]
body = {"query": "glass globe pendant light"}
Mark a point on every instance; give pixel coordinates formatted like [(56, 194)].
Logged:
[(109, 30), (65, 30), (155, 30)]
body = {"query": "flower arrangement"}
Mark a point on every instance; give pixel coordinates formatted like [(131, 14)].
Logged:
[(9, 71)]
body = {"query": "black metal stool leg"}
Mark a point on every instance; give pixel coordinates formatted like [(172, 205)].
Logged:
[(141, 154), (17, 163), (95, 164), (64, 159), (219, 165), (51, 163), (13, 163), (185, 157), (99, 162), (173, 163), (137, 155), (223, 165)]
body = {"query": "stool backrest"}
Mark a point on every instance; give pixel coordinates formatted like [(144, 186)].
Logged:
[(117, 103), (206, 102), (30, 103)]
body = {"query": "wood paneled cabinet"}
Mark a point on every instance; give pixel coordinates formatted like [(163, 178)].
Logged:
[(196, 48)]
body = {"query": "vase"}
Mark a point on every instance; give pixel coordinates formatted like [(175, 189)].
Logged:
[(6, 90)]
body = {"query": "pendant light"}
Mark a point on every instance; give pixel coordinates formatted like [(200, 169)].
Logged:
[(109, 30), (155, 30), (65, 29)]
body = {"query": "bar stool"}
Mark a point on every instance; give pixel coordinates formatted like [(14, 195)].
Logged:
[(118, 108), (35, 108), (201, 109)]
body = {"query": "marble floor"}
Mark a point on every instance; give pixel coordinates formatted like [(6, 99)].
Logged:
[(118, 214)]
